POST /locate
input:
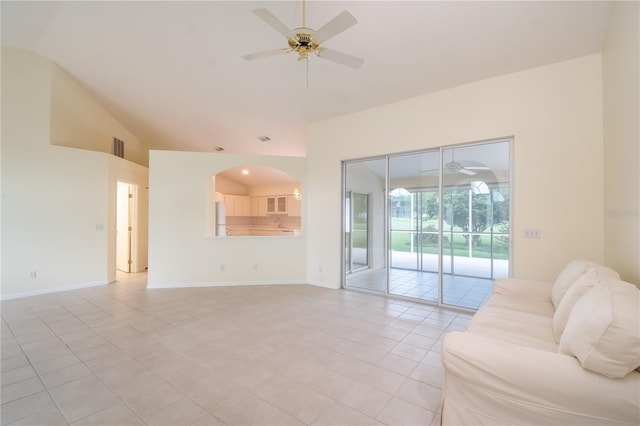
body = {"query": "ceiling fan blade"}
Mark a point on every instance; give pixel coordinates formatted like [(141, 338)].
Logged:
[(467, 172), (265, 54), (477, 168), (274, 22), (341, 58), (335, 26)]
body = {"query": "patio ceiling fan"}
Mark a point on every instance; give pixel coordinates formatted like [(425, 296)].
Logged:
[(305, 41), (470, 168)]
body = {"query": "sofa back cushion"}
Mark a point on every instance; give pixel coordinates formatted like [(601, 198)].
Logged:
[(571, 273), (603, 330), (584, 283)]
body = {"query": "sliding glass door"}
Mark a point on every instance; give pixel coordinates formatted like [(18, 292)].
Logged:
[(433, 225)]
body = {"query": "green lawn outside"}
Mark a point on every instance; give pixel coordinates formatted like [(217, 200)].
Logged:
[(401, 241)]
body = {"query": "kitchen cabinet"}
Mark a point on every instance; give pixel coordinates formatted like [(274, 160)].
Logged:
[(229, 204), (243, 205), (258, 206), (276, 204), (238, 205)]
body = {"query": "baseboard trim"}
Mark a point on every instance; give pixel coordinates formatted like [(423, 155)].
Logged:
[(40, 292), (331, 286)]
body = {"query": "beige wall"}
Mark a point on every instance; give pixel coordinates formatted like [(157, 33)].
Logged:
[(78, 121), (621, 72), (57, 207), (58, 204), (182, 252), (554, 114)]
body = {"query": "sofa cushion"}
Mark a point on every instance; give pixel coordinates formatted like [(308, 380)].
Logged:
[(583, 284), (521, 304), (523, 289), (526, 339), (526, 326), (603, 330), (571, 273)]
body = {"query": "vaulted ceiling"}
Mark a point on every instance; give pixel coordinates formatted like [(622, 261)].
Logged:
[(172, 72)]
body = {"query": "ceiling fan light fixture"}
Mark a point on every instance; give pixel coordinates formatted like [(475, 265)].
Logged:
[(303, 43)]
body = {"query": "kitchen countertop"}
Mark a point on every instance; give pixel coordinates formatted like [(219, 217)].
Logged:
[(257, 229)]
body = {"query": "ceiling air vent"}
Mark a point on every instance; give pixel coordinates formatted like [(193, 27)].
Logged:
[(118, 148)]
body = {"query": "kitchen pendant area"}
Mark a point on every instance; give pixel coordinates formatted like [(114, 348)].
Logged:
[(256, 201)]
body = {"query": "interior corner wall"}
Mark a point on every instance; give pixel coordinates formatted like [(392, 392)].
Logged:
[(79, 121), (56, 208), (621, 85), (181, 254), (553, 112)]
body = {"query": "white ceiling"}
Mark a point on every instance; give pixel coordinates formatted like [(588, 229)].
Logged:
[(171, 72)]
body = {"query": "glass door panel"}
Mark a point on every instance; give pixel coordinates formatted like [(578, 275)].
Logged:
[(359, 231), (414, 225), (364, 236), (475, 221)]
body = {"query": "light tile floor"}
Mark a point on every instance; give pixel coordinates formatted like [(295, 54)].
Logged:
[(271, 355), (459, 291), (469, 287)]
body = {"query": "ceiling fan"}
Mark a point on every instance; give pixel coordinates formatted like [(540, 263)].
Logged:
[(306, 41)]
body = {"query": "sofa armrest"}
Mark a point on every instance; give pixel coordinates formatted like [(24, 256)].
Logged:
[(523, 288), (488, 381)]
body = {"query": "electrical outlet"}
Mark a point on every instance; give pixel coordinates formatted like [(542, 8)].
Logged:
[(222, 267), (532, 233), (33, 274)]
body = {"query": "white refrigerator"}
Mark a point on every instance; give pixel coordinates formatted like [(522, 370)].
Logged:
[(221, 219)]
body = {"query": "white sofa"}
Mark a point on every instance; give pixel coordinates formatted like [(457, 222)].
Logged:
[(538, 353)]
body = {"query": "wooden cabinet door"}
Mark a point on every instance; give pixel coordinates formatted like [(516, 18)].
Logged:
[(246, 205), (254, 206), (271, 204), (229, 201), (281, 204)]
